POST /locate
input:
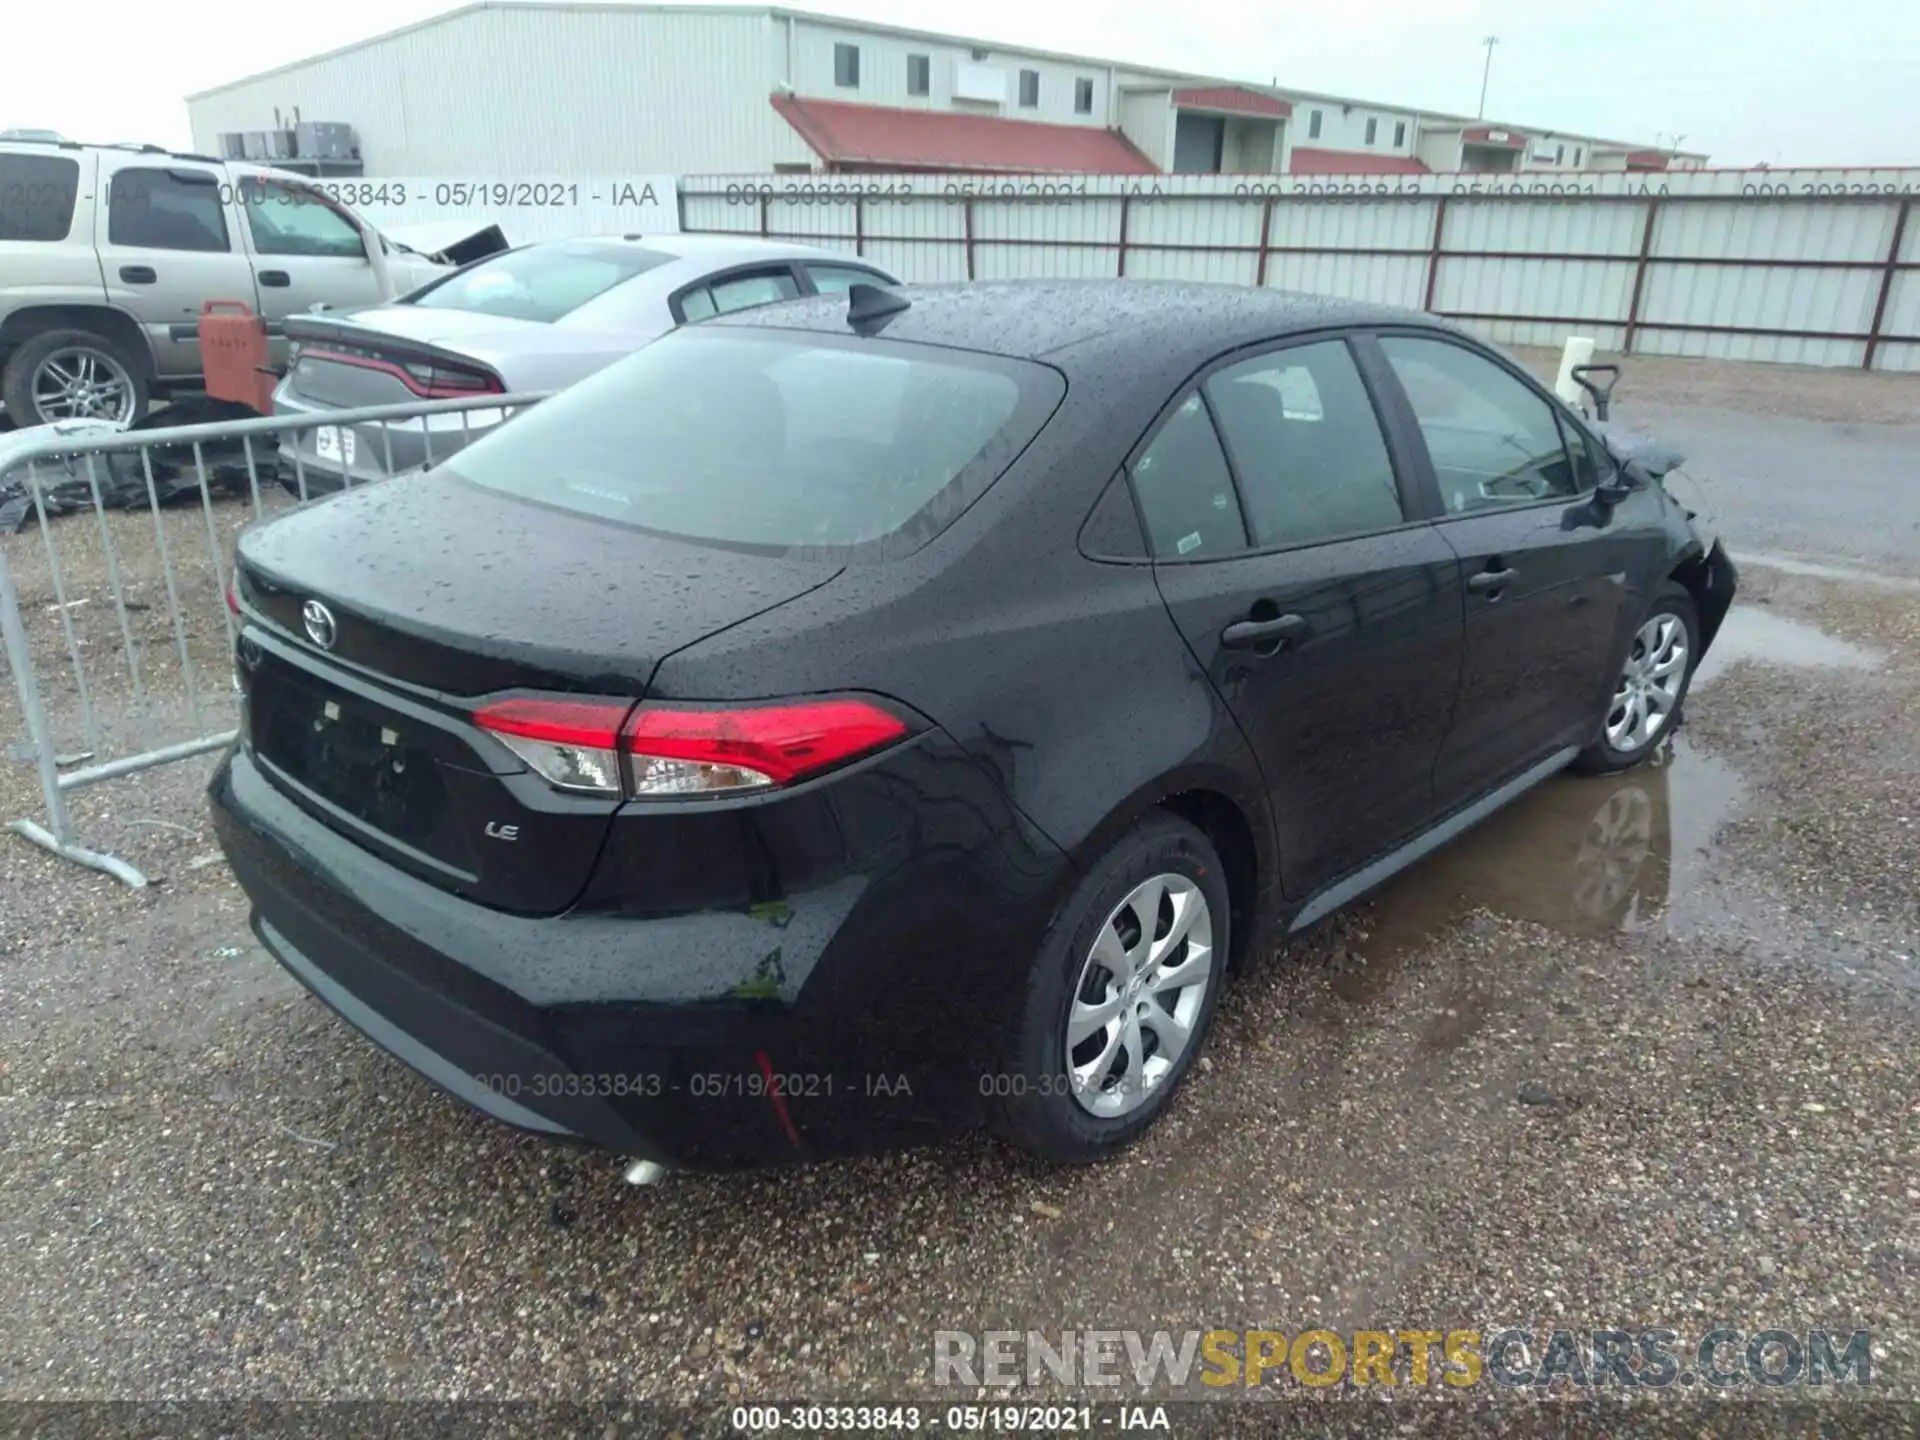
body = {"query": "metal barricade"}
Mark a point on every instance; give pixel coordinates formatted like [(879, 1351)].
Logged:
[(131, 668)]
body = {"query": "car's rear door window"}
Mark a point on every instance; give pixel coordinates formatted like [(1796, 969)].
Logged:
[(542, 282), (1186, 491), (37, 193), (838, 279), (738, 292), (774, 440), (1306, 445), (171, 209)]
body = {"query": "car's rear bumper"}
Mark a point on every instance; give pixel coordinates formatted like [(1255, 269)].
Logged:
[(380, 449), (854, 1024)]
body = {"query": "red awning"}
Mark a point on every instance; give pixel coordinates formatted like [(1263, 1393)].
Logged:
[(1347, 162), (1234, 100), (1494, 135), (1647, 160), (880, 137)]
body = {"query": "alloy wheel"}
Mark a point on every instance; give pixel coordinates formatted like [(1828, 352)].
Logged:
[(82, 384), (1650, 683), (1139, 995)]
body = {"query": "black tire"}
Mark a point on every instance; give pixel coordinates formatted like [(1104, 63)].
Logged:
[(1601, 757), (1032, 1101), (16, 383)]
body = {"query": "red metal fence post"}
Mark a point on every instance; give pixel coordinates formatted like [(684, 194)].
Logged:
[(1435, 253), (1266, 233), (1886, 282), (1640, 274)]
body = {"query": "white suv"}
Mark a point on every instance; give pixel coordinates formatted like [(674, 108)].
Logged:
[(107, 253)]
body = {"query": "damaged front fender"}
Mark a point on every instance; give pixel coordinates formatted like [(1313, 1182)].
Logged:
[(1711, 578)]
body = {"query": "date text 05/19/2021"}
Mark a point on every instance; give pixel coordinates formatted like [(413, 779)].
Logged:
[(971, 1419)]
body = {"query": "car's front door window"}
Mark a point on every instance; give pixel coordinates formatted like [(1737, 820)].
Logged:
[(1589, 466), (1493, 440), (285, 220), (1306, 446)]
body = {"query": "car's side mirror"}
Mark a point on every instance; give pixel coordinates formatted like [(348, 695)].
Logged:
[(1614, 489)]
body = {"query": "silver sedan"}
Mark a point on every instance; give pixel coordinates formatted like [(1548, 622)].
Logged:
[(530, 319)]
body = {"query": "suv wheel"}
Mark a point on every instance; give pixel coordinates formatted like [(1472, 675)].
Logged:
[(73, 375), (1651, 687), (1119, 999)]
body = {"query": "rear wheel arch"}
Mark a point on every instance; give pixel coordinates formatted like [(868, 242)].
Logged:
[(1226, 826), (103, 320), (1231, 818)]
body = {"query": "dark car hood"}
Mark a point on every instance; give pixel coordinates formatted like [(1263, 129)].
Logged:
[(440, 583)]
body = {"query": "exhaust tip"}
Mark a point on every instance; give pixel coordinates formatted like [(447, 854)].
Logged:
[(644, 1172)]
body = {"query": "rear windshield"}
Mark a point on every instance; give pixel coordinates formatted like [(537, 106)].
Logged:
[(36, 196), (773, 439), (542, 282)]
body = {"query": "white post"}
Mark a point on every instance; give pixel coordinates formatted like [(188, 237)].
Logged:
[(1579, 351)]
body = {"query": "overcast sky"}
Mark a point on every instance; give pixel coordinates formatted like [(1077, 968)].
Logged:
[(1780, 81)]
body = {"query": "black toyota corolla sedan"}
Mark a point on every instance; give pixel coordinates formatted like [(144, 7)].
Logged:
[(846, 721)]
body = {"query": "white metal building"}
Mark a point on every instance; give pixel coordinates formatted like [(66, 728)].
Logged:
[(507, 90)]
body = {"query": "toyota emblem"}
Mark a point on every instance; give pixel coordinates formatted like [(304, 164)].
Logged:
[(319, 622)]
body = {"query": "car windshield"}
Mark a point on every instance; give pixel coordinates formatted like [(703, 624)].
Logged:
[(541, 282), (774, 440)]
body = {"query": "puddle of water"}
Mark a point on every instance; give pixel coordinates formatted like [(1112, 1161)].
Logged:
[(1756, 633), (1596, 855), (1582, 855), (1826, 570)]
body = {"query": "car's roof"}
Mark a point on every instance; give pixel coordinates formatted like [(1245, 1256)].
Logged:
[(1091, 322)]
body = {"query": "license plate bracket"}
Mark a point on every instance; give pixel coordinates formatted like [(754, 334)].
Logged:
[(335, 443)]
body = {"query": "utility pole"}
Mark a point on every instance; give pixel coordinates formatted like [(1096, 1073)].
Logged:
[(1486, 74)]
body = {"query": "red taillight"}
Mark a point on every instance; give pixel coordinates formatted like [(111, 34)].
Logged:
[(426, 379), (558, 722), (573, 744), (686, 749), (676, 748), (233, 592), (437, 382)]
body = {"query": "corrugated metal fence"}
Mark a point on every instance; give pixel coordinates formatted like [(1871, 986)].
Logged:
[(1810, 267), (557, 207)]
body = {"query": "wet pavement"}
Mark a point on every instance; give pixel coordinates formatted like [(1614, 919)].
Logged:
[(1802, 488)]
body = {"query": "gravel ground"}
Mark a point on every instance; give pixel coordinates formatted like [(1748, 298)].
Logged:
[(1637, 1052)]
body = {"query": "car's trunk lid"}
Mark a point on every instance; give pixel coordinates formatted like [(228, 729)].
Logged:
[(391, 356), (436, 594)]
